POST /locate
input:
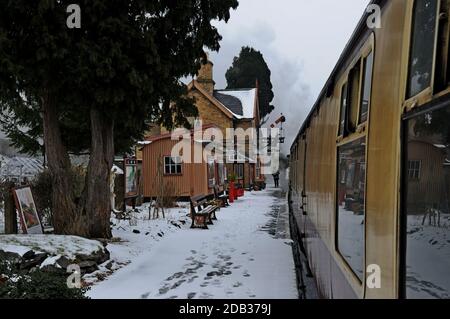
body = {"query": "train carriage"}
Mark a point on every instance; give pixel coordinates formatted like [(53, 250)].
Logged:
[(370, 167)]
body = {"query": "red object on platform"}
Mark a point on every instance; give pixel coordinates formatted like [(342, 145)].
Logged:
[(231, 194)]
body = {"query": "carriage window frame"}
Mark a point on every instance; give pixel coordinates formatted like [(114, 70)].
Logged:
[(343, 110), (353, 97), (346, 132), (436, 88), (366, 83), (352, 271), (405, 181), (360, 132)]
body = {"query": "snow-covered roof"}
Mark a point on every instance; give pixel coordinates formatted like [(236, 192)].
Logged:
[(239, 102)]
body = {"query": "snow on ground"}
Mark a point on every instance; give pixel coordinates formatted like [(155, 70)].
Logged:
[(68, 246), (134, 237), (428, 258), (351, 239), (235, 258)]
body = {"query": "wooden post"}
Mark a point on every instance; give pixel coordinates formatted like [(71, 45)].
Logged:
[(10, 213)]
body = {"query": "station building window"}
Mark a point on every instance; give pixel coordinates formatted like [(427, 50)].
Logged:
[(426, 204), (211, 172), (239, 171)]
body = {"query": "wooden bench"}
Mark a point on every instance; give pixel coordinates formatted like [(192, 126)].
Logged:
[(221, 198), (202, 213)]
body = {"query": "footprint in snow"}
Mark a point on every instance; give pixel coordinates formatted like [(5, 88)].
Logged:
[(191, 295)]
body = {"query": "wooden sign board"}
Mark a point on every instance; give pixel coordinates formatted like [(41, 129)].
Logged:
[(29, 217)]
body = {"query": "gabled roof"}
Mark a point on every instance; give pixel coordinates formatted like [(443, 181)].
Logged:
[(237, 104), (242, 103), (225, 110)]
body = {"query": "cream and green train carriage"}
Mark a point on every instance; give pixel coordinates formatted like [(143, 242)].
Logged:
[(370, 167)]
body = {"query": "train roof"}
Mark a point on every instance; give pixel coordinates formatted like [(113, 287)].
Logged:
[(360, 31)]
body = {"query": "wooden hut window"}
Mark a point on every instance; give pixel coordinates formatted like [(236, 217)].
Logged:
[(172, 165), (414, 168)]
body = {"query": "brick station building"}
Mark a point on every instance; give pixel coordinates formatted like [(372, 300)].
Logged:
[(221, 109)]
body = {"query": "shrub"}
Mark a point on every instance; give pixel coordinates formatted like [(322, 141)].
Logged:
[(37, 284), (168, 200)]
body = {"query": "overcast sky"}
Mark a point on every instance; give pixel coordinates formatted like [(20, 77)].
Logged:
[(301, 41)]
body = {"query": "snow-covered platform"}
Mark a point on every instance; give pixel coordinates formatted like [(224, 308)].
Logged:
[(241, 257)]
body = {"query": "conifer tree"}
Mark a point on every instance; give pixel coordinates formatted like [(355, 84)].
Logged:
[(95, 88)]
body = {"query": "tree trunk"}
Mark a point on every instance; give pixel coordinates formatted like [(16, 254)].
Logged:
[(98, 201), (66, 220)]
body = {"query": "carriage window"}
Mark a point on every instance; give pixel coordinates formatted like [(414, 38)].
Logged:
[(343, 110), (442, 52), (351, 204), (422, 46), (353, 96), (427, 205), (366, 88)]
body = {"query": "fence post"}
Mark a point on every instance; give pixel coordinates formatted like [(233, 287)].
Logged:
[(10, 212)]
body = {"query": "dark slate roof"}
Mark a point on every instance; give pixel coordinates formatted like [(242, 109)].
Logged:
[(231, 102)]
